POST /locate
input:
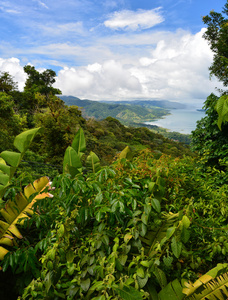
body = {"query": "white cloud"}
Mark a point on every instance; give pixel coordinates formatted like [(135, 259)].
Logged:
[(13, 67), (131, 20), (109, 80), (173, 68), (176, 69)]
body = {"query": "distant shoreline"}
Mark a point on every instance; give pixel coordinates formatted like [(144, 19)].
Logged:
[(179, 120)]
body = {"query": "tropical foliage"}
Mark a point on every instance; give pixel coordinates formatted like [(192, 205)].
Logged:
[(216, 34), (207, 139), (144, 227), (133, 214)]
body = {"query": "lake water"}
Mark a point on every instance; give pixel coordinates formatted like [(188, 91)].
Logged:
[(180, 120)]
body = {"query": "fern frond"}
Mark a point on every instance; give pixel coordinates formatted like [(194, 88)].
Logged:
[(157, 234)]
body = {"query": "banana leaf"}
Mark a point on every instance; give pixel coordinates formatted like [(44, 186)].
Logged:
[(79, 143), (206, 283), (9, 160), (15, 212), (93, 162)]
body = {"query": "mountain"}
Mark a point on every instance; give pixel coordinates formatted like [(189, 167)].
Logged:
[(153, 103), (127, 112)]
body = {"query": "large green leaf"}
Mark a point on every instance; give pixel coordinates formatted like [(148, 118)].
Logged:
[(176, 247), (129, 293), (93, 162), (4, 179), (7, 169), (172, 291), (23, 140), (161, 277), (71, 162), (126, 153), (9, 161), (11, 158), (222, 109), (79, 143)]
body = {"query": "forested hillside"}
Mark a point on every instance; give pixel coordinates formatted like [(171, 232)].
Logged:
[(97, 210), (128, 113)]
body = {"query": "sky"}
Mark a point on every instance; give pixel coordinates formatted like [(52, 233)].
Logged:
[(112, 49)]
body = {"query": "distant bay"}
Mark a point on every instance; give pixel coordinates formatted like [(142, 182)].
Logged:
[(180, 120)]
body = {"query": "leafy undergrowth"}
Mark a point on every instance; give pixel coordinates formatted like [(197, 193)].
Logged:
[(125, 232)]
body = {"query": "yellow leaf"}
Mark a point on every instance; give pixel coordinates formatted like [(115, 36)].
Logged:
[(127, 237), (7, 240), (19, 210), (29, 190), (3, 252), (41, 183), (21, 201), (15, 231)]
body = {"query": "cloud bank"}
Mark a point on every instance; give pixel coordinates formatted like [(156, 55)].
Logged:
[(176, 68)]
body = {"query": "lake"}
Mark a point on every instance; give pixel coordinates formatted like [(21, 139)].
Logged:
[(180, 120)]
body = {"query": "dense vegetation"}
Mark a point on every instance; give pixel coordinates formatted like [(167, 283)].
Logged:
[(129, 214)]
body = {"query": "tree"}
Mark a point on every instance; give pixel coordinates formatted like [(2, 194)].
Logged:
[(210, 138), (60, 123), (217, 36), (11, 123), (40, 82), (6, 83)]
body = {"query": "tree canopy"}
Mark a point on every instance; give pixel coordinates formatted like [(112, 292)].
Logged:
[(40, 82), (217, 36), (210, 138), (7, 83)]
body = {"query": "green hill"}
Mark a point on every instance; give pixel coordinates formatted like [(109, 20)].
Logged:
[(133, 113), (128, 113)]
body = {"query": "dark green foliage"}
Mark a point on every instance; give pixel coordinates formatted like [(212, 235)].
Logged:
[(7, 84), (217, 36), (11, 123), (110, 137), (207, 139)]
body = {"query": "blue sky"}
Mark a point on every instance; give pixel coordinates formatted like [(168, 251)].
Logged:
[(113, 49)]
